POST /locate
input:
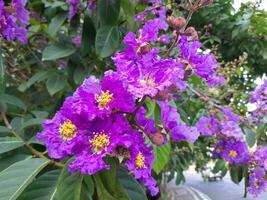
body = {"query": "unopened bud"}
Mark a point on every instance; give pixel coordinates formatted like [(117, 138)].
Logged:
[(192, 33), (144, 48), (158, 138), (163, 95), (176, 22)]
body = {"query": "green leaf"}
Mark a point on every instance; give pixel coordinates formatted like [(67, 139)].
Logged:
[(219, 166), (9, 143), (18, 176), (108, 185), (43, 188), (236, 173), (128, 10), (39, 76), (69, 186), (4, 129), (250, 136), (2, 73), (108, 11), (55, 51), (162, 155), (12, 100), (57, 22), (130, 185), (8, 160), (55, 83), (107, 40), (88, 35), (89, 183), (32, 122)]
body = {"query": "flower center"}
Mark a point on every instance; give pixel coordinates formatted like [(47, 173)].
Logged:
[(100, 141), (67, 130), (104, 99), (148, 82), (209, 126), (232, 154), (140, 161)]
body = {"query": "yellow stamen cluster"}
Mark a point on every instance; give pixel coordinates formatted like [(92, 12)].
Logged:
[(148, 82), (104, 99), (67, 130), (140, 161), (100, 141), (232, 154)]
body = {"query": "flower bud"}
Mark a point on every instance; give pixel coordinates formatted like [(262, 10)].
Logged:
[(158, 138), (192, 33), (176, 22), (144, 48)]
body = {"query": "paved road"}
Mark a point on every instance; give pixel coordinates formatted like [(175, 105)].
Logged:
[(219, 190)]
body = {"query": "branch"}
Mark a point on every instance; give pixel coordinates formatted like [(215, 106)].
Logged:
[(34, 151)]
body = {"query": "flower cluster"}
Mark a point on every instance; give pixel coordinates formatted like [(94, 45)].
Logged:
[(259, 98), (13, 21), (258, 171), (75, 6), (225, 126), (108, 117)]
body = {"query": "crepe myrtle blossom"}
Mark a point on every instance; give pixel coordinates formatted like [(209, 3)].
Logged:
[(235, 152), (13, 21), (260, 156), (229, 115), (257, 181), (231, 129), (98, 99), (61, 136), (202, 64), (177, 129), (259, 98), (208, 126)]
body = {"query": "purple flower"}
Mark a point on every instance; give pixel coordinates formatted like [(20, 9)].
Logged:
[(257, 182), (74, 7), (13, 21), (207, 126), (164, 39), (202, 64), (147, 124), (230, 115), (260, 155), (172, 122), (96, 99), (77, 41), (231, 129), (235, 152), (61, 137), (102, 139)]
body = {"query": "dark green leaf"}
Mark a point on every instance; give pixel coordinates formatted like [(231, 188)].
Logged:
[(219, 166), (8, 160), (12, 100), (55, 83), (108, 11), (53, 52), (162, 155), (43, 188), (250, 136), (88, 35), (69, 186), (128, 10), (9, 143), (236, 173), (4, 129), (14, 179), (130, 185), (39, 76), (32, 122), (2, 73), (57, 22), (107, 40)]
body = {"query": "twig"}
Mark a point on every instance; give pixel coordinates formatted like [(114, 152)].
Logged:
[(34, 151)]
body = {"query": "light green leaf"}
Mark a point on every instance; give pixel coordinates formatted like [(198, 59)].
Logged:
[(53, 52), (14, 179), (107, 40), (162, 156), (39, 76), (69, 186), (43, 188), (12, 100), (55, 83), (8, 160), (9, 143), (250, 136), (128, 10), (32, 122), (4, 129), (130, 185), (57, 22), (108, 11)]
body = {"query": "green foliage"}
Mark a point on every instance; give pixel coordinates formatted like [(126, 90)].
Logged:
[(162, 156)]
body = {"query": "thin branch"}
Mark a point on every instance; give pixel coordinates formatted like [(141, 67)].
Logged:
[(34, 151)]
